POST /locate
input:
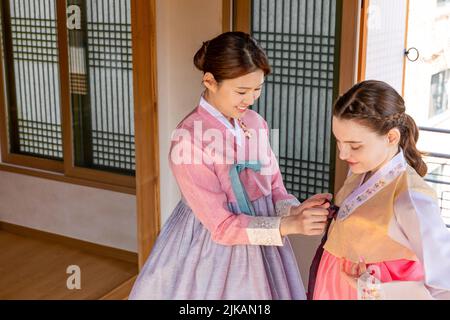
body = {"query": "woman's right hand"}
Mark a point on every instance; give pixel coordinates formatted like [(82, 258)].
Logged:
[(308, 219)]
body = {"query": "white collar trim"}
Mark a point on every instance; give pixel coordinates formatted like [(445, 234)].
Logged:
[(235, 130)]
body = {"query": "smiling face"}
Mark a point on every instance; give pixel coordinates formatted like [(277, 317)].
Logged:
[(363, 149), (233, 97)]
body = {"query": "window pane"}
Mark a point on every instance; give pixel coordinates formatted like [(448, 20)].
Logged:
[(439, 92), (101, 83), (31, 65), (300, 39)]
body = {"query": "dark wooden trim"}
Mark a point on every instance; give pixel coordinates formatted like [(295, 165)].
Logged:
[(348, 66), (64, 75), (226, 15), (143, 26), (10, 98), (86, 246), (63, 178), (34, 162), (3, 114), (242, 15), (101, 176)]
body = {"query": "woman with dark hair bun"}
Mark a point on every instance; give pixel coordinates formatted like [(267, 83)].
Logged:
[(226, 239)]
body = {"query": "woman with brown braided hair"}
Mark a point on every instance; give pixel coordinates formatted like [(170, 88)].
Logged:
[(388, 240)]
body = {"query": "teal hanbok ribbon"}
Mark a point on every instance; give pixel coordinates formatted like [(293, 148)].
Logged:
[(241, 195)]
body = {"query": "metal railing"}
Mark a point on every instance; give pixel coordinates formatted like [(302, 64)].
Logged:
[(439, 174)]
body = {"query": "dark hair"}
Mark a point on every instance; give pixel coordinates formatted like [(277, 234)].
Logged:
[(231, 55), (377, 105)]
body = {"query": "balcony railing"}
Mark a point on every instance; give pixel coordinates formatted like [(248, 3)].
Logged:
[(439, 173)]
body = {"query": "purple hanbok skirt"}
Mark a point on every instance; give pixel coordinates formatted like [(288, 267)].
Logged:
[(185, 263)]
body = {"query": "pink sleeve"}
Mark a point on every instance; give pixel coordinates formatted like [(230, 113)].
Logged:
[(202, 191)]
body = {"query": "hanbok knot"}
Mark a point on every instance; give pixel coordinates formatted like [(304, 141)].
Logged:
[(239, 191)]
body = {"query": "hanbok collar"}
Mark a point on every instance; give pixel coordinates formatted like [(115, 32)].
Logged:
[(385, 175), (235, 130)]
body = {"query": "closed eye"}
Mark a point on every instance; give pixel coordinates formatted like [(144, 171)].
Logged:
[(242, 93)]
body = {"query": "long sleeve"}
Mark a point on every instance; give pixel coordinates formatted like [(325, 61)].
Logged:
[(419, 217), (201, 189)]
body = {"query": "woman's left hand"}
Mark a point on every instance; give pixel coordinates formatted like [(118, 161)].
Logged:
[(320, 197), (315, 201)]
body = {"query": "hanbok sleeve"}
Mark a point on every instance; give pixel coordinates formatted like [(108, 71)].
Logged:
[(419, 218), (282, 200), (202, 191)]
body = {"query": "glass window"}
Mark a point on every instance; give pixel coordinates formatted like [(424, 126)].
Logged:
[(439, 92)]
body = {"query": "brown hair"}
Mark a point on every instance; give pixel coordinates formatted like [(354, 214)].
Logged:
[(231, 55), (377, 105)]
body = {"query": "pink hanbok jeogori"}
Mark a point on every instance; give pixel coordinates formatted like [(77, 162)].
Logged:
[(210, 248)]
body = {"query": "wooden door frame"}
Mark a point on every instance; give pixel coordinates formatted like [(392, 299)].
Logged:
[(363, 32), (227, 15), (349, 66), (406, 46), (143, 26), (236, 15), (347, 57)]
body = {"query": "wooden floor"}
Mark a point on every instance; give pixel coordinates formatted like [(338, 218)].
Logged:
[(36, 269)]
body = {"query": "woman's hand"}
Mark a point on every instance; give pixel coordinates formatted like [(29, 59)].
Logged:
[(309, 218), (320, 200)]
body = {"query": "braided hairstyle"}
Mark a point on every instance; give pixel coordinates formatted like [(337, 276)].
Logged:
[(377, 105)]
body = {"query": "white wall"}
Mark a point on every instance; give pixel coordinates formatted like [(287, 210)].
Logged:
[(182, 27), (89, 214)]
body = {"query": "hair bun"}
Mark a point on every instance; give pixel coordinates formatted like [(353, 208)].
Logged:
[(230, 55), (199, 58)]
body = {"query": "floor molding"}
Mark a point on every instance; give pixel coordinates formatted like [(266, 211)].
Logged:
[(86, 246), (121, 292)]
